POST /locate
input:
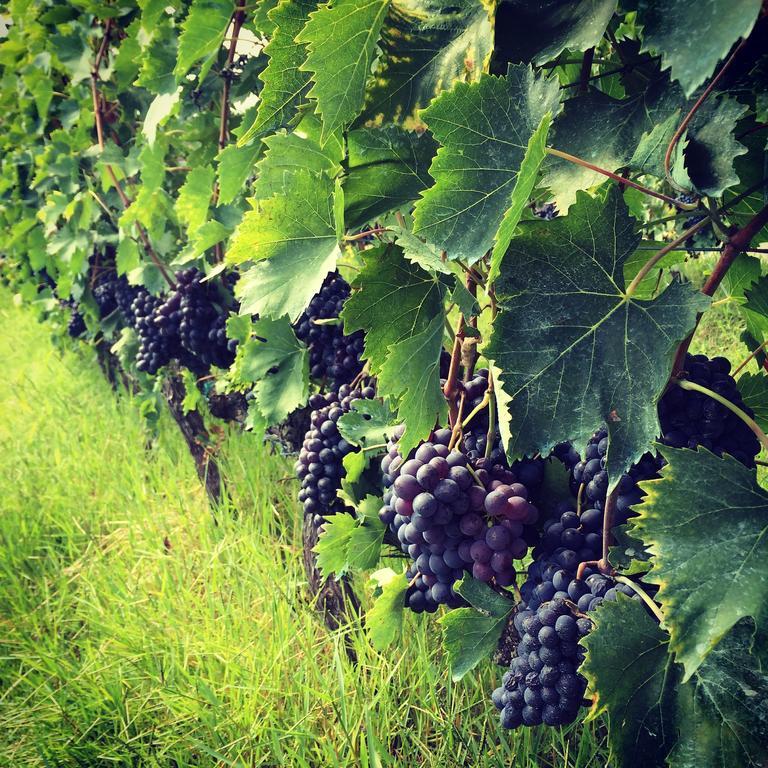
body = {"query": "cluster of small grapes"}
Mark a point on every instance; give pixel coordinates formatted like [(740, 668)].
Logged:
[(690, 419), (546, 211), (201, 323), (76, 325), (154, 348), (332, 355), (589, 478), (104, 294), (125, 294), (452, 515), (319, 466), (543, 684)]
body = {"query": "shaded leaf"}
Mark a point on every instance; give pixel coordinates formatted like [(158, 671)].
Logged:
[(425, 49), (754, 391), (704, 591), (573, 349), (387, 169), (484, 129), (285, 84), (692, 36), (341, 39)]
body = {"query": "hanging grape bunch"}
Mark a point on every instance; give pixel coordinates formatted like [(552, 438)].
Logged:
[(319, 466), (332, 355)]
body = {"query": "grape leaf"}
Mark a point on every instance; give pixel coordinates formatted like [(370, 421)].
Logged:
[(292, 237), (416, 250), (195, 197), (711, 147), (704, 591), (723, 710), (470, 635), (341, 39), (755, 309), (484, 129), (540, 32), (692, 36), (332, 548), (629, 668), (425, 49), (607, 132), (161, 108), (236, 164), (367, 423), (300, 150), (202, 33), (526, 180), (278, 367), (754, 391), (752, 170), (387, 168), (573, 349), (744, 271), (205, 237), (384, 620), (285, 85), (400, 307), (651, 283)]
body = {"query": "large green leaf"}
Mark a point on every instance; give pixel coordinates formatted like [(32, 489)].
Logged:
[(705, 590), (711, 146), (718, 719), (195, 197), (752, 170), (285, 85), (723, 710), (472, 634), (202, 33), (692, 36), (278, 366), (235, 165), (341, 39), (539, 32), (484, 128), (297, 151), (754, 392), (384, 620), (629, 668), (292, 237), (388, 168), (425, 49), (608, 133), (400, 307), (573, 349)]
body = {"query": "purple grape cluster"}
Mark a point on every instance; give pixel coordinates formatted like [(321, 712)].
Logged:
[(332, 354), (104, 295), (195, 311), (691, 419), (125, 294), (543, 684), (451, 516), (590, 473), (319, 466), (76, 325)]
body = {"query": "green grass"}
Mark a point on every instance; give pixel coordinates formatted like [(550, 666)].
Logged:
[(134, 631)]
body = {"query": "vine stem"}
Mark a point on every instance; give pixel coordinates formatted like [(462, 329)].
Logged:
[(750, 422), (737, 243), (98, 116), (659, 255), (237, 21), (610, 507), (479, 407), (451, 387), (491, 436), (752, 355), (456, 434), (692, 112), (620, 179), (646, 598), (366, 233)]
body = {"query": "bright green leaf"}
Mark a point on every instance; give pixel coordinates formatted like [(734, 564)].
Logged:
[(202, 33)]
